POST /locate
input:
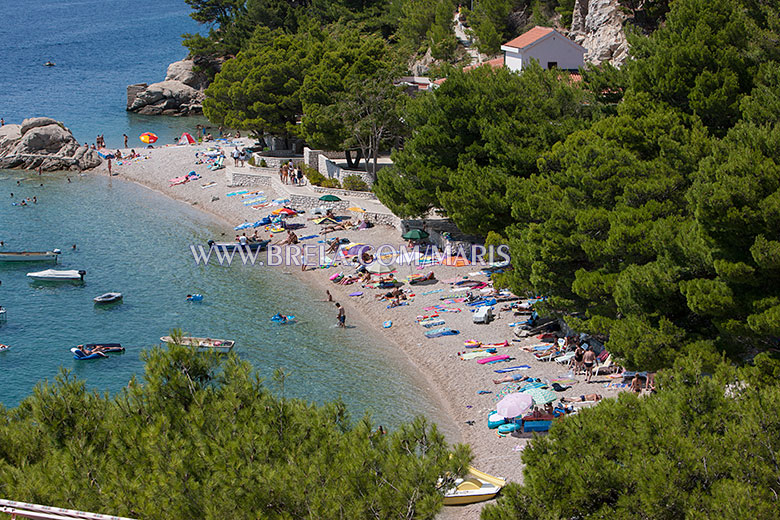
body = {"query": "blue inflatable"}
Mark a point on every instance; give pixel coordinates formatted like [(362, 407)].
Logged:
[(81, 356), (495, 420), (508, 428), (281, 318), (194, 297)]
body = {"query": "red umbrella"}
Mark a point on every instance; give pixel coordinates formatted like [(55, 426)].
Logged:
[(287, 211), (148, 137)]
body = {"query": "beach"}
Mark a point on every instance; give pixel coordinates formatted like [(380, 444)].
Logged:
[(464, 387)]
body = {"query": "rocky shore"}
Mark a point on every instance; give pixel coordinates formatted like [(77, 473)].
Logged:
[(180, 94), (42, 142)]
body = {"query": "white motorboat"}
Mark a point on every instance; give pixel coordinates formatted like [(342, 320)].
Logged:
[(29, 256), (109, 297), (478, 487), (2, 314), (54, 275), (217, 345)]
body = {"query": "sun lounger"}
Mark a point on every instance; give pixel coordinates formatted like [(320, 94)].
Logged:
[(605, 367), (565, 358)]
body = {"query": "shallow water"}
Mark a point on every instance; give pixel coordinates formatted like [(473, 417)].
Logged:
[(99, 48), (136, 241)]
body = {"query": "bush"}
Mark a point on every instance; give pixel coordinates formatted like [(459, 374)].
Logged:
[(318, 179), (355, 183), (263, 164)]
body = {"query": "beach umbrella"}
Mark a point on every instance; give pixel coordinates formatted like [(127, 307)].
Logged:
[(514, 405), (379, 268), (288, 211), (186, 138), (541, 396), (356, 209), (148, 137), (415, 234), (330, 198)]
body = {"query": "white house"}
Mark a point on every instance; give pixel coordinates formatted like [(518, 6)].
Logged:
[(545, 45)]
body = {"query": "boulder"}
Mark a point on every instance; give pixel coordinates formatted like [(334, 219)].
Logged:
[(597, 25), (183, 71), (46, 143), (172, 96)]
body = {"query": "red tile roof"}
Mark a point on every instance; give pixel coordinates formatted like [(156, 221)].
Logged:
[(495, 63), (529, 37)]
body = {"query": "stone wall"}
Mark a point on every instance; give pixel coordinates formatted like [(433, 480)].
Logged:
[(311, 157), (345, 193), (245, 180)]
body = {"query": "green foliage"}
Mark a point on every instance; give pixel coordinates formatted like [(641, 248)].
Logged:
[(701, 61), (204, 438), (471, 136), (355, 183), (344, 60), (259, 90), (703, 447), (318, 179)]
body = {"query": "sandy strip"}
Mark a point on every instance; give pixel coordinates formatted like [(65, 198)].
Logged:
[(457, 383)]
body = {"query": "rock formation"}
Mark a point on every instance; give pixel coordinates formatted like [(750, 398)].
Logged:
[(597, 25), (180, 94), (45, 143)]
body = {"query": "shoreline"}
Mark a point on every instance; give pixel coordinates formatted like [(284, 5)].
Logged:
[(464, 388)]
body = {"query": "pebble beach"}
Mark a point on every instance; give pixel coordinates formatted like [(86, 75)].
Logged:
[(464, 387)]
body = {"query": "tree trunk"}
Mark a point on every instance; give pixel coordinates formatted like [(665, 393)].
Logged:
[(353, 165)]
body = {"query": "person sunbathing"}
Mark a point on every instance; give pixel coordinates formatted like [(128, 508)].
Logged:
[(389, 295), (582, 398), (291, 239), (511, 378), (395, 303), (334, 245), (331, 229), (429, 276)]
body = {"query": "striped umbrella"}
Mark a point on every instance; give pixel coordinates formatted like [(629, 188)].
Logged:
[(541, 396), (148, 137)]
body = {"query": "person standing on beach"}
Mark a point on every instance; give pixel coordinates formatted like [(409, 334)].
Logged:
[(341, 316), (589, 359), (125, 136), (109, 165), (2, 121), (235, 155)]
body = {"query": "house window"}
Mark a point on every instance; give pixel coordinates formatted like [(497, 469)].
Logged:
[(552, 64)]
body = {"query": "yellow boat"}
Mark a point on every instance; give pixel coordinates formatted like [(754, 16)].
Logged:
[(477, 487)]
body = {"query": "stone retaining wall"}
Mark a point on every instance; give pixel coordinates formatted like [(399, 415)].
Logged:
[(248, 179), (345, 193)]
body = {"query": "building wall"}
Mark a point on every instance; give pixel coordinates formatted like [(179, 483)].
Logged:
[(555, 48), (513, 61)]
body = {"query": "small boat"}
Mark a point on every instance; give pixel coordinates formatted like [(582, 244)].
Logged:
[(194, 297), (217, 345), (29, 256), (49, 64), (227, 246), (3, 314), (281, 318), (83, 356), (477, 487), (54, 275), (3, 348), (109, 297)]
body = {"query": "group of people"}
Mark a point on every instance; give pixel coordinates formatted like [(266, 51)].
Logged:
[(244, 240), (240, 157), (289, 173)]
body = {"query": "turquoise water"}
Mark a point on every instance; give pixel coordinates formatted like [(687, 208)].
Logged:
[(136, 241), (99, 47)]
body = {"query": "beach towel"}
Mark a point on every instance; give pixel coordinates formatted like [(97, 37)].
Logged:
[(426, 293), (444, 331), (432, 323), (511, 369)]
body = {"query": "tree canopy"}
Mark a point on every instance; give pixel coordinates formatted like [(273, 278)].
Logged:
[(703, 447), (204, 438)]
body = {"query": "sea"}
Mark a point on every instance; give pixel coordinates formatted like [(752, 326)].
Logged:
[(136, 241)]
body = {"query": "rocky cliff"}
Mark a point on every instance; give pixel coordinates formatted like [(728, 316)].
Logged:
[(597, 25), (45, 143), (180, 94)]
